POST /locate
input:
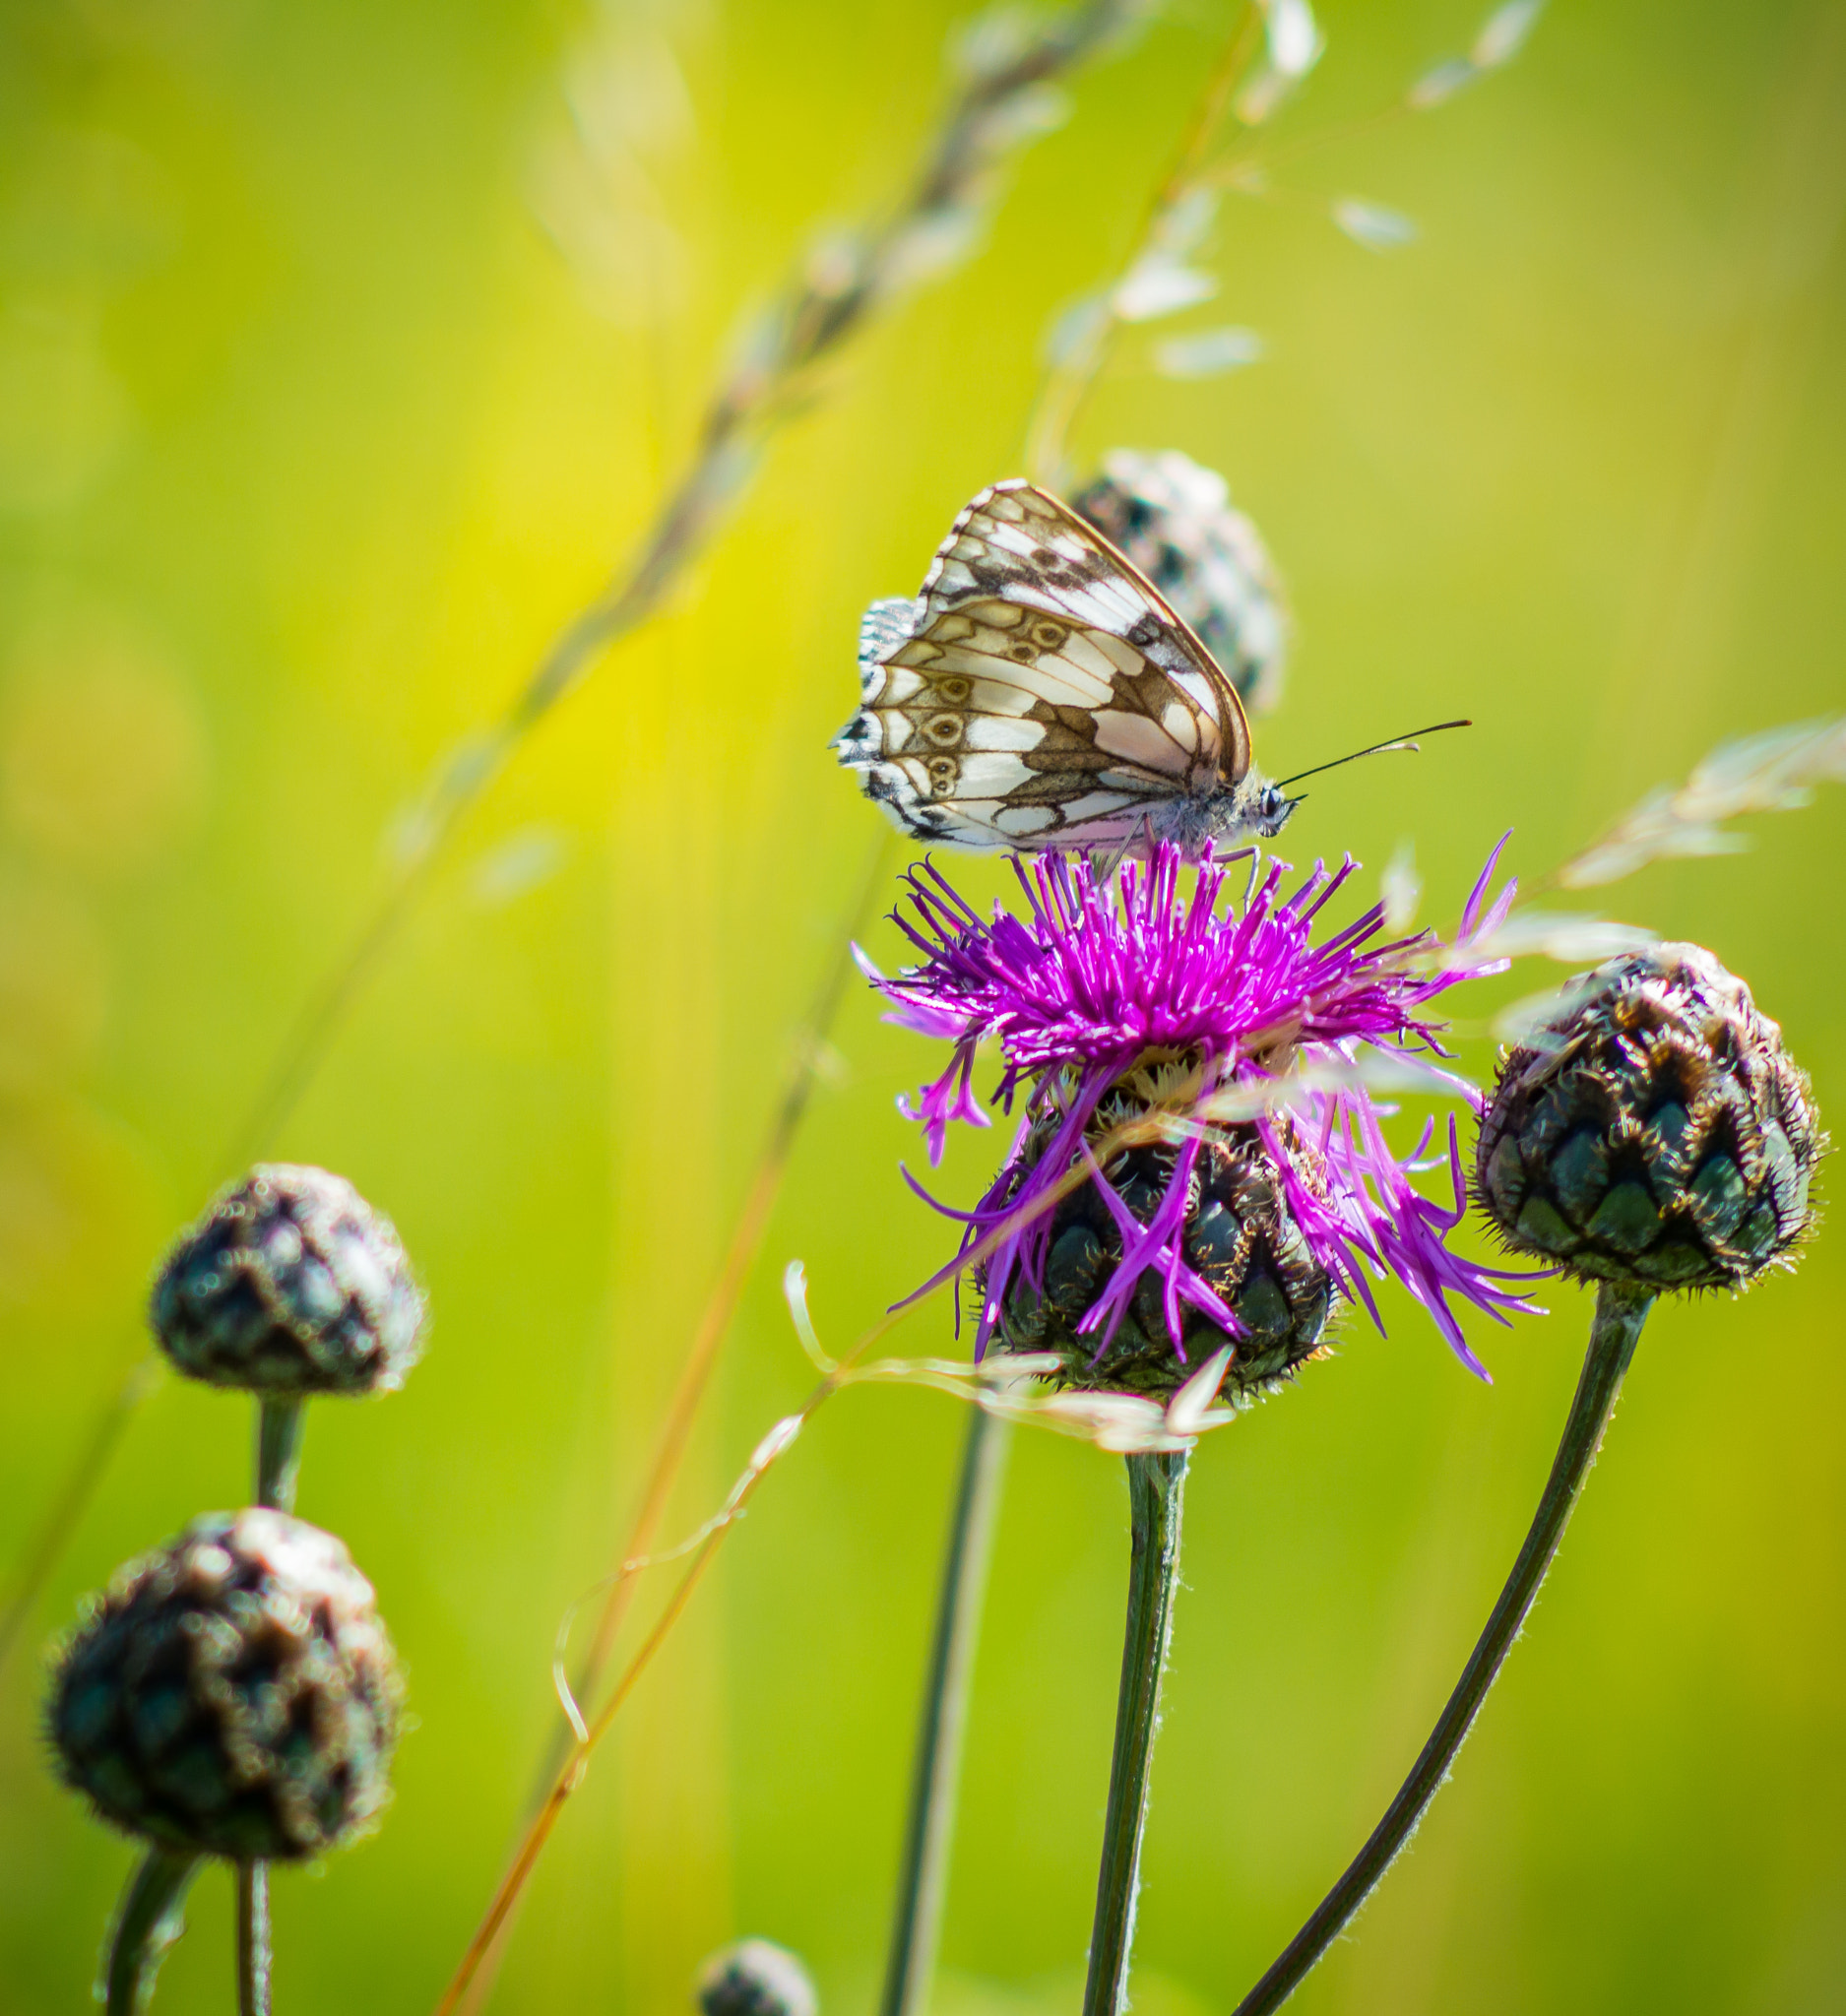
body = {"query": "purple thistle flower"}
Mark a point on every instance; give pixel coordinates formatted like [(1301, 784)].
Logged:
[(1264, 1190)]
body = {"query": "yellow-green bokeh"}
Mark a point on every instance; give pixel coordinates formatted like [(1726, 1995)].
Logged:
[(311, 435)]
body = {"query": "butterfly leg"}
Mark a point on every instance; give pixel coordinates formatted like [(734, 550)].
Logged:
[(1140, 835)]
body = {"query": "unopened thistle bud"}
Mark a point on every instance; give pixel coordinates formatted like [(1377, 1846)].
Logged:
[(1235, 1236), (1655, 1131), (1174, 520), (232, 1692), (755, 1978), (291, 1283)]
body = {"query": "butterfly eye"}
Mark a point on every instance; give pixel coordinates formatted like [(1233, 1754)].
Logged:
[(1048, 636), (941, 772), (944, 729), (954, 690)]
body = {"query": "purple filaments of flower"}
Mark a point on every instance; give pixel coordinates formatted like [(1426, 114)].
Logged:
[(1096, 980)]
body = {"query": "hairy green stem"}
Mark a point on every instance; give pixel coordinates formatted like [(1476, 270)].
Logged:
[(150, 1917), (1156, 1499), (280, 1420), (253, 1949), (1620, 1310), (931, 1829)]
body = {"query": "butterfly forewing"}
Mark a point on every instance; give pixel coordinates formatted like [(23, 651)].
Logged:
[(1039, 691)]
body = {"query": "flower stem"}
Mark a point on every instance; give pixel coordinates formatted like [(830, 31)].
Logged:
[(280, 1422), (1620, 1310), (1155, 1496), (253, 1948), (280, 1419), (150, 1917), (930, 1828)]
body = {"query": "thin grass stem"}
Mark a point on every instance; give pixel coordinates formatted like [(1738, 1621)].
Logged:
[(746, 1238), (150, 1917), (1620, 1310), (929, 1831), (708, 1334), (1156, 1504)]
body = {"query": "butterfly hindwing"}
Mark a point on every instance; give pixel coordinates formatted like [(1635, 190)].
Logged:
[(1038, 691)]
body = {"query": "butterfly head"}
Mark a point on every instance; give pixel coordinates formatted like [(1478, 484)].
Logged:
[(1232, 815), (1270, 809)]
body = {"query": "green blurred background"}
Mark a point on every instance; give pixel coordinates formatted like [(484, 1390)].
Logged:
[(311, 432)]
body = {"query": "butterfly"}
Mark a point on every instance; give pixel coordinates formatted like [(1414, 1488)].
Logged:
[(1041, 692)]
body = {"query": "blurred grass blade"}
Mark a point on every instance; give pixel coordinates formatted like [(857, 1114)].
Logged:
[(1771, 771), (1371, 226), (1208, 353), (825, 301), (1504, 33), (829, 297)]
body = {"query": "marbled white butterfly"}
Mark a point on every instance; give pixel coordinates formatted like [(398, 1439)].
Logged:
[(1039, 692)]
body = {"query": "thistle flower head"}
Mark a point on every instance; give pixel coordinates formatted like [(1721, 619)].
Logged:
[(291, 1283), (232, 1692), (1654, 1130), (1201, 1156)]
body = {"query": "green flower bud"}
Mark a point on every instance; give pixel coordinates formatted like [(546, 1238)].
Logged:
[(232, 1692), (754, 1978), (1654, 1131), (291, 1283)]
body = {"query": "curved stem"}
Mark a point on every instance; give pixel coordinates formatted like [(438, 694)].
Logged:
[(150, 1917), (1156, 1498), (931, 1829), (253, 1947), (280, 1420), (1621, 1311)]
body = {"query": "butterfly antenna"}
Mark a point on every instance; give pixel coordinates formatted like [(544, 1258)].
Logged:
[(1408, 741)]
